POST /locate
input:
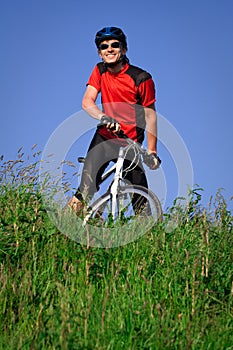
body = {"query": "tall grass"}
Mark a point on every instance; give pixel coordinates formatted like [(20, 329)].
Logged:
[(171, 289)]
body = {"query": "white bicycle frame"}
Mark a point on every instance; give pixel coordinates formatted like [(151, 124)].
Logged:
[(118, 176)]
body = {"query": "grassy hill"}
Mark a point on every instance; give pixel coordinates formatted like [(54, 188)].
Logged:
[(171, 289)]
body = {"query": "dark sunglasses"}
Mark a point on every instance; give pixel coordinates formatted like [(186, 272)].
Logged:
[(114, 45)]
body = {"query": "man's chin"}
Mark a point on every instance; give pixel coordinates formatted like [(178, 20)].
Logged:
[(111, 61)]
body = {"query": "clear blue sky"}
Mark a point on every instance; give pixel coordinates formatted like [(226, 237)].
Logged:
[(48, 52)]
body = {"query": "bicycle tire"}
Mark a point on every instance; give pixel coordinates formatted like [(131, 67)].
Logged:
[(133, 201)]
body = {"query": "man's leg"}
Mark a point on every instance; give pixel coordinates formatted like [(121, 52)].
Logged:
[(99, 155)]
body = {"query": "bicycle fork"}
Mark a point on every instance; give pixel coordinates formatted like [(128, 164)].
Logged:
[(115, 185)]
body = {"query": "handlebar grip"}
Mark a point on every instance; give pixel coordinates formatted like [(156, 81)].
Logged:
[(122, 134)]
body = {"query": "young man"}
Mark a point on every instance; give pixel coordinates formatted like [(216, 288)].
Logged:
[(128, 102)]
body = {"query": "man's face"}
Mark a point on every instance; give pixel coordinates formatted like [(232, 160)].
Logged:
[(111, 50)]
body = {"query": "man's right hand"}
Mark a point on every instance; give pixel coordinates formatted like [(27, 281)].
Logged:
[(110, 124)]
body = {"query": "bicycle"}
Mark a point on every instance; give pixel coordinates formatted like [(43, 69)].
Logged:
[(122, 203)]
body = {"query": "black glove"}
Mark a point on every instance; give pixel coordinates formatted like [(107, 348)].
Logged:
[(152, 160), (110, 123)]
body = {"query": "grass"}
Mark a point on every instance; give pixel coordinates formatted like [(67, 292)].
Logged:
[(170, 289)]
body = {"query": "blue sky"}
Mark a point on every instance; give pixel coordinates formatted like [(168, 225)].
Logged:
[(48, 52)]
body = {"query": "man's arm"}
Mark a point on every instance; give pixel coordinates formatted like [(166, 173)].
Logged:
[(89, 102), (151, 128)]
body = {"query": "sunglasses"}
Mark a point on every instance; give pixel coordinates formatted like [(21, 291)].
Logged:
[(114, 45)]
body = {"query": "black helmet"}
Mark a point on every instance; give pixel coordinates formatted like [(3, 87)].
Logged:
[(110, 33)]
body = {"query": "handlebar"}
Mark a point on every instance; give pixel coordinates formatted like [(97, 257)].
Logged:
[(148, 158)]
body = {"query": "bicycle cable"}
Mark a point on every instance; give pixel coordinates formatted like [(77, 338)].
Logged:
[(135, 161)]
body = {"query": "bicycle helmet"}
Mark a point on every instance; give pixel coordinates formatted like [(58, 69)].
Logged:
[(110, 33)]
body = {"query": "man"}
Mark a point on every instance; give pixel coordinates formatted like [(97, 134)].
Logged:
[(128, 102)]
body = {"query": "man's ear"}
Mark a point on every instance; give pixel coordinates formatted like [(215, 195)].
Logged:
[(123, 50)]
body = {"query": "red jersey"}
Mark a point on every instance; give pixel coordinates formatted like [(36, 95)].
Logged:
[(123, 95)]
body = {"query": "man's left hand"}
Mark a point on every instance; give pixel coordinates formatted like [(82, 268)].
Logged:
[(152, 160)]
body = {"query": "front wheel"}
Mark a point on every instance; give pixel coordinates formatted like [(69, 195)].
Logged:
[(133, 203)]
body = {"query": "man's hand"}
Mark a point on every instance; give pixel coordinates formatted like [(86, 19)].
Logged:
[(110, 124), (152, 160)]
